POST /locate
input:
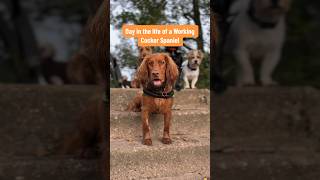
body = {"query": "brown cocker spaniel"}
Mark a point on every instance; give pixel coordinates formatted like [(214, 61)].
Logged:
[(157, 74)]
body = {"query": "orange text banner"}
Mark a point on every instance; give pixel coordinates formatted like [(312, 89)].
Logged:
[(160, 35)]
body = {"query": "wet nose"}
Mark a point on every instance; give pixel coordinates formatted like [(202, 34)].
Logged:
[(155, 73), (196, 61)]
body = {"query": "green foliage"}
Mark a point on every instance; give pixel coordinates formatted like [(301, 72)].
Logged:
[(204, 78), (140, 12), (300, 62), (125, 55), (157, 12)]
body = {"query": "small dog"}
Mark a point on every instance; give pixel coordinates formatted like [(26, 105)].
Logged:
[(124, 83), (157, 75), (52, 71), (190, 68), (257, 31)]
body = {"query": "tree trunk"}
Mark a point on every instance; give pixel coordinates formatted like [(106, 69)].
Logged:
[(197, 21), (20, 41)]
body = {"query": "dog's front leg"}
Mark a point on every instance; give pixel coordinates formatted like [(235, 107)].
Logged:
[(186, 82), (193, 82), (146, 128), (166, 130), (268, 65), (245, 76)]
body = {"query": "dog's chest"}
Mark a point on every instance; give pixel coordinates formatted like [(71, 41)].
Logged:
[(160, 105), (191, 74)]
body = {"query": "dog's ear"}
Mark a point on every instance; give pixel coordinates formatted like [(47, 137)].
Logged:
[(201, 54), (172, 72), (143, 72)]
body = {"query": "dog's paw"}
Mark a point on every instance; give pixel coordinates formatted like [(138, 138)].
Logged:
[(147, 142), (166, 141), (246, 81)]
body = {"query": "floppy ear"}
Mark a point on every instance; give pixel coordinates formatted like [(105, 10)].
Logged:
[(172, 72), (143, 72)]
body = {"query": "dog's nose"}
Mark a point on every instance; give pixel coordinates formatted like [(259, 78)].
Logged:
[(196, 61), (155, 74)]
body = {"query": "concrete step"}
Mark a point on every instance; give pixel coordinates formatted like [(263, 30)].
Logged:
[(186, 122), (185, 99), (37, 117), (30, 168), (266, 111), (186, 155), (188, 176), (258, 144), (186, 158), (265, 166)]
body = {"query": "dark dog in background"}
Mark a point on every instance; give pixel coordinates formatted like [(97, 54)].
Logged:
[(125, 83), (177, 57), (143, 52), (52, 72), (157, 74)]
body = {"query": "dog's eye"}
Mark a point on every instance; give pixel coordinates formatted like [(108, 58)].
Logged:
[(151, 63), (198, 56), (161, 62)]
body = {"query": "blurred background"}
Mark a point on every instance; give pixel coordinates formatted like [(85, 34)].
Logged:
[(38, 38), (299, 62), (39, 41), (267, 132), (125, 51)]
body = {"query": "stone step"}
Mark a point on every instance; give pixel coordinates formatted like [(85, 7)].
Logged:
[(185, 99), (186, 158), (188, 176), (30, 168), (274, 144), (37, 117), (187, 122), (267, 111), (266, 166), (187, 154)]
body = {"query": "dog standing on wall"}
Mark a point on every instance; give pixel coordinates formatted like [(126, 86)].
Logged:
[(157, 75), (190, 68), (257, 31)]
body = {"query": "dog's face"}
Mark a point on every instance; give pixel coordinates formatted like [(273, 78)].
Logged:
[(270, 10), (158, 70), (194, 58), (144, 51)]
